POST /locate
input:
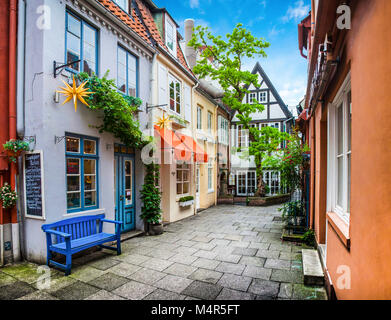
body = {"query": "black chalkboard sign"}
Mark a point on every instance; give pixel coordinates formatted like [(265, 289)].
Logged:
[(33, 184)]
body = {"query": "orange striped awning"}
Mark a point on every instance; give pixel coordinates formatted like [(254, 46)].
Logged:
[(182, 145)]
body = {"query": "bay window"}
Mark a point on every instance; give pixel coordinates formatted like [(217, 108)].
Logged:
[(81, 173), (81, 43), (223, 130)]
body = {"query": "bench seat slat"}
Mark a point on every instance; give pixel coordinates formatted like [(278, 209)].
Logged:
[(86, 240)]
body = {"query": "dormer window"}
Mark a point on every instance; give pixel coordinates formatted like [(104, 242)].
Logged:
[(171, 35), (123, 4)]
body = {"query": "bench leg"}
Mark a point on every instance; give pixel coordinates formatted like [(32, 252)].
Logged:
[(118, 246), (49, 257), (68, 264)]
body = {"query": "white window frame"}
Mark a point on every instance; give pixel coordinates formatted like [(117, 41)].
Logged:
[(241, 137), (246, 186), (210, 176), (209, 122), (199, 118), (269, 181), (260, 97), (223, 130), (341, 100), (175, 81), (251, 97), (183, 168), (170, 23)]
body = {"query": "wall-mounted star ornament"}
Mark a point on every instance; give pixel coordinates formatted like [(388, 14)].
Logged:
[(75, 93), (163, 122)]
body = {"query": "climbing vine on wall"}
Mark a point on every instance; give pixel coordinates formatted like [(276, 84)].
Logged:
[(118, 110)]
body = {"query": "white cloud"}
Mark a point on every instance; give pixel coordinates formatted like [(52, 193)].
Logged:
[(298, 11), (194, 4)]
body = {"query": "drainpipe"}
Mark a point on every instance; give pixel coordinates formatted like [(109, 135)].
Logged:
[(20, 93), (12, 118)]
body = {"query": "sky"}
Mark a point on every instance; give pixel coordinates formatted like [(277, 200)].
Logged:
[(274, 20)]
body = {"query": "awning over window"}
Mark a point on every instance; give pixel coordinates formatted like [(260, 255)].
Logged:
[(200, 156), (183, 146)]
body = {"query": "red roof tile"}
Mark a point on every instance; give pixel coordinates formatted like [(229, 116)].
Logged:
[(135, 24)]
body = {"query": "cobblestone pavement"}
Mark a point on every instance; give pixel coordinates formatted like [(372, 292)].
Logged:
[(225, 252)]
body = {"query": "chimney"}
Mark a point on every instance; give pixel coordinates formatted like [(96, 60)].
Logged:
[(190, 53)]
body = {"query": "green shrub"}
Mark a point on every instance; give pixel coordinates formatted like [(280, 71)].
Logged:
[(151, 196), (309, 238), (185, 199)]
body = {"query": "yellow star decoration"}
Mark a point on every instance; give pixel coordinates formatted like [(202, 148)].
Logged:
[(163, 122), (75, 93)]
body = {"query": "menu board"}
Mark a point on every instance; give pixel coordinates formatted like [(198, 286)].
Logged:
[(33, 178)]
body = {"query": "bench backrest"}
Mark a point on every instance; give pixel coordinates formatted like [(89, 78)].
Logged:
[(78, 227)]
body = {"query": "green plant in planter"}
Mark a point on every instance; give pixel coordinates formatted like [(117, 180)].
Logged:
[(15, 147), (151, 196), (291, 211), (118, 110), (187, 198), (8, 196), (309, 238)]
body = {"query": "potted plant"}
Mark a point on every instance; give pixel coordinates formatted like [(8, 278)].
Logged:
[(8, 196), (186, 201), (151, 197), (14, 148)]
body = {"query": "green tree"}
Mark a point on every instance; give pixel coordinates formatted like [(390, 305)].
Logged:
[(222, 60)]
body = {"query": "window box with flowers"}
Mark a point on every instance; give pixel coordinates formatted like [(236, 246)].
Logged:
[(8, 197), (14, 148), (186, 201)]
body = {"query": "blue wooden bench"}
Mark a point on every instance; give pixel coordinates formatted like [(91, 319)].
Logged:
[(77, 234)]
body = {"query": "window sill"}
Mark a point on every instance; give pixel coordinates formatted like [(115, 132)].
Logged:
[(340, 227), (211, 191), (89, 212)]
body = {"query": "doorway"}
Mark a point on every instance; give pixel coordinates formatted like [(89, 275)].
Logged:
[(124, 182)]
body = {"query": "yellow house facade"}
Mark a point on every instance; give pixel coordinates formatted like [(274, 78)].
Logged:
[(205, 131)]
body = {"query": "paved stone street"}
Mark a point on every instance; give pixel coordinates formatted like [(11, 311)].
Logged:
[(225, 252)]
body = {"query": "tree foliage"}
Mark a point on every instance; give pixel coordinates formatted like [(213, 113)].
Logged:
[(222, 60)]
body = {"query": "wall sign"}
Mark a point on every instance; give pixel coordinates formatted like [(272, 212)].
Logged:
[(33, 185)]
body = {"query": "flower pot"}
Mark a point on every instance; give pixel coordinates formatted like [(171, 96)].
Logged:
[(155, 229), (14, 154)]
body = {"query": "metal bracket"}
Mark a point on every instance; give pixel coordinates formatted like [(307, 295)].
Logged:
[(147, 106), (60, 66), (58, 139)]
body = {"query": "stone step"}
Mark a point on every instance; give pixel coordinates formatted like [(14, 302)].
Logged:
[(312, 268)]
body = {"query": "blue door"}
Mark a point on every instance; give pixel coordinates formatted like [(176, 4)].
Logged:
[(124, 191)]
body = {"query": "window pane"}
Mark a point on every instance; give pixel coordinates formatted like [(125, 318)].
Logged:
[(73, 200), (340, 182), (73, 25), (73, 166), (179, 188), (340, 129), (89, 166), (179, 175), (89, 183), (89, 147), (128, 168), (72, 144), (186, 187), (73, 183), (90, 198)]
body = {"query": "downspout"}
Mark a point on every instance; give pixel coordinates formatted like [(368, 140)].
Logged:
[(195, 164), (20, 98), (12, 118), (20, 93)]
